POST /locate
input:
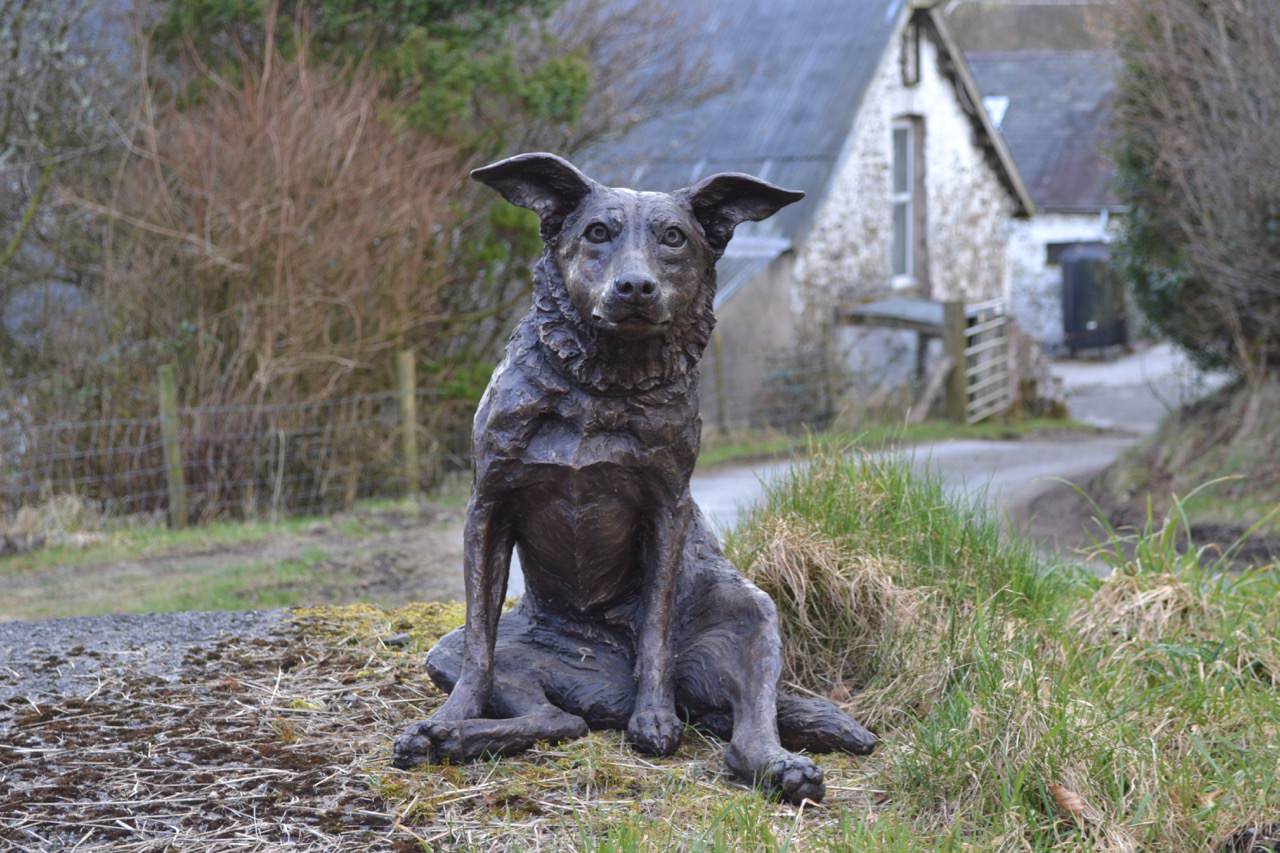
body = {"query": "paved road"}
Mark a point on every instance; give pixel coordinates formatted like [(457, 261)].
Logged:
[(1008, 474), (1133, 393)]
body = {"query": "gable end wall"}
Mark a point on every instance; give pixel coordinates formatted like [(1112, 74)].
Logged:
[(967, 208)]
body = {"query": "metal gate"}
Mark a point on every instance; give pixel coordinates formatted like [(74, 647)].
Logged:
[(975, 340), (986, 360)]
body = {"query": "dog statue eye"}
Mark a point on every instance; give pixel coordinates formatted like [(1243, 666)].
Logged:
[(673, 236), (597, 232)]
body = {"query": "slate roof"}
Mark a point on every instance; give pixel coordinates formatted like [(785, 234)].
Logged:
[(795, 72), (1058, 123)]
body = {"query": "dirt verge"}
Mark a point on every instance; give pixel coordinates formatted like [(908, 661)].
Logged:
[(385, 557)]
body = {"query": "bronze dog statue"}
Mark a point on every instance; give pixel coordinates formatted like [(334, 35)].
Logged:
[(583, 447)]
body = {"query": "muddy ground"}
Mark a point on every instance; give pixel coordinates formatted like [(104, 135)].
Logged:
[(196, 731), (273, 731)]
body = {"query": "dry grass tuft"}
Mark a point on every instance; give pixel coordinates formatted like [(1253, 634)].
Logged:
[(1144, 616), (1140, 609), (59, 520), (852, 633), (840, 609)]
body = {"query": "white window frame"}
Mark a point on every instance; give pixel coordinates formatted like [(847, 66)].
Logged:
[(907, 198)]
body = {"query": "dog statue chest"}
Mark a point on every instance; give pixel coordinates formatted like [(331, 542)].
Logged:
[(582, 433), (603, 444), (585, 484)]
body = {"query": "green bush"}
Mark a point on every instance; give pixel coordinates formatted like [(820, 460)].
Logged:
[(1196, 122)]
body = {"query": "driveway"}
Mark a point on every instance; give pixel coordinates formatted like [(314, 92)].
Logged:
[(1135, 392)]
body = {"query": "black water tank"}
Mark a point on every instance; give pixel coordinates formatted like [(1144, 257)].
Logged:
[(1093, 303)]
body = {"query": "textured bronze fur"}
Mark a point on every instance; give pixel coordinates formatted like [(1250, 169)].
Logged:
[(583, 446)]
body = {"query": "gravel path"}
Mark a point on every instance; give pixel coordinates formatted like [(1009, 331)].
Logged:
[(72, 657)]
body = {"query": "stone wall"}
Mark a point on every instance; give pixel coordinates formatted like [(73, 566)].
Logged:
[(965, 223), (967, 207)]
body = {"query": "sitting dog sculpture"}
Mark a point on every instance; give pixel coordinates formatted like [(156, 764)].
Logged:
[(583, 447)]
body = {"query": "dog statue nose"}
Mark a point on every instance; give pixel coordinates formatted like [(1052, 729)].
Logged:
[(636, 289)]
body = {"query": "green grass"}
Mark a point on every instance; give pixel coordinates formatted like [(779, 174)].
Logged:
[(156, 541), (717, 450), (204, 585), (240, 586), (1005, 688), (135, 542)]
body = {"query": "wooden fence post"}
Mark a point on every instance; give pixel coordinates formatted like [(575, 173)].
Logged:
[(171, 436), (954, 340), (409, 420)]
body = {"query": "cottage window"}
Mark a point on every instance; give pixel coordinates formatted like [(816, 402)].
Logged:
[(903, 197)]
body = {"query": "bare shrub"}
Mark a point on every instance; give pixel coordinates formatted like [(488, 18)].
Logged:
[(57, 108), (278, 240), (1198, 117), (293, 226)]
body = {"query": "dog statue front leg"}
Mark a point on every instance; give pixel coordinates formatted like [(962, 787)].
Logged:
[(654, 727), (486, 563)]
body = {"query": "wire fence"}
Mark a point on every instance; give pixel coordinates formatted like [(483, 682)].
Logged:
[(268, 461), (776, 391), (235, 461)]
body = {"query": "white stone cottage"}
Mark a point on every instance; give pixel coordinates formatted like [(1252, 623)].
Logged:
[(868, 107), (1054, 110)]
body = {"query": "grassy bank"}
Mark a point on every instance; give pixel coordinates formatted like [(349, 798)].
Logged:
[(387, 552), (1025, 704), (1222, 451), (764, 444), (1022, 706), (90, 539)]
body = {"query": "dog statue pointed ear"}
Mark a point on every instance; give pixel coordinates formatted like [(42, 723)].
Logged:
[(722, 202), (548, 185)]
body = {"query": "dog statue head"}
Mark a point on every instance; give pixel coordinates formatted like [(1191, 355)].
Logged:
[(636, 267)]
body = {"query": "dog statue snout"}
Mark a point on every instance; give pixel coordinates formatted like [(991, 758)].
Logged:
[(635, 289)]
